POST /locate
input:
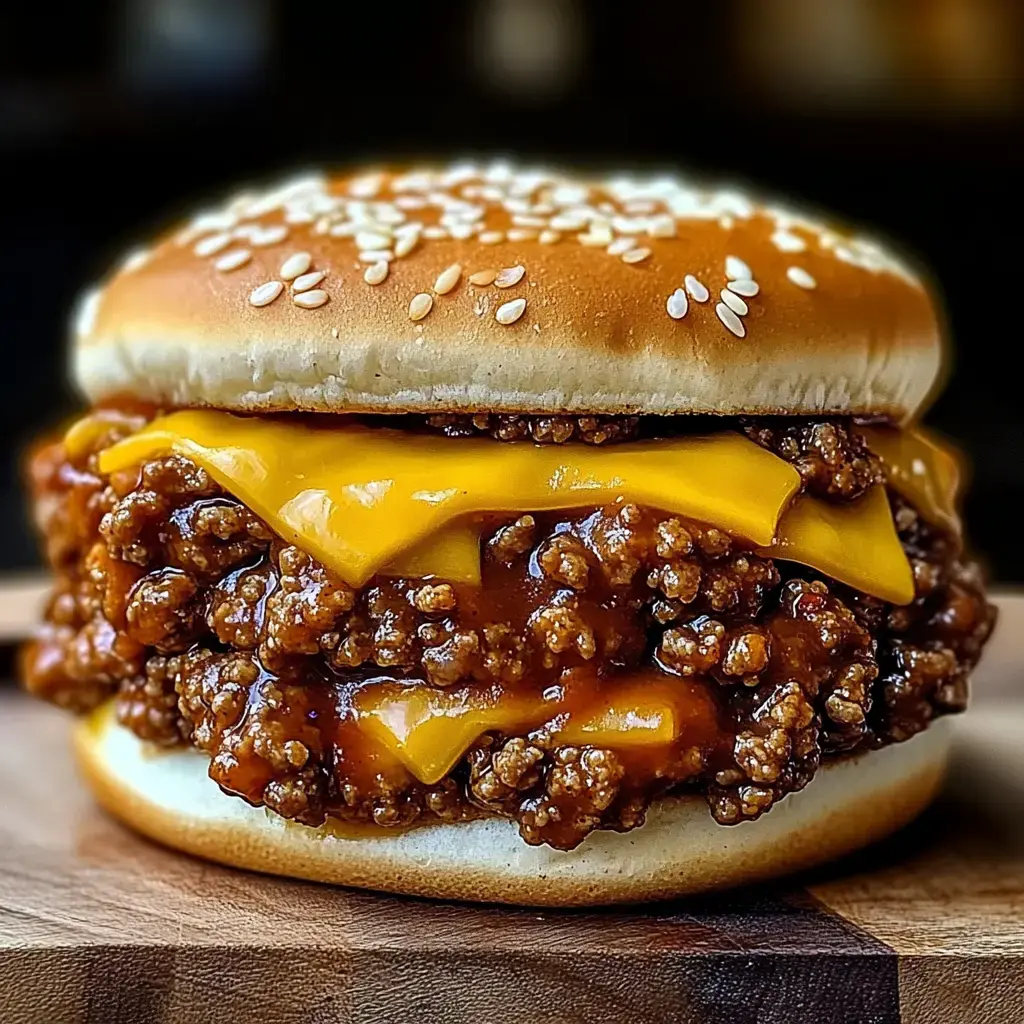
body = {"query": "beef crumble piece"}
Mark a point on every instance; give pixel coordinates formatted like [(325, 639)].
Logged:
[(542, 429), (927, 649), (209, 629), (832, 457)]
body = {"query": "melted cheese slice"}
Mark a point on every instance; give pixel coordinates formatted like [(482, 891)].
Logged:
[(921, 469), (855, 543), (453, 554), (429, 729), (358, 498), (366, 501)]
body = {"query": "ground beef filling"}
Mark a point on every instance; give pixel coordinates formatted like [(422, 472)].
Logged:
[(209, 629), (832, 457)]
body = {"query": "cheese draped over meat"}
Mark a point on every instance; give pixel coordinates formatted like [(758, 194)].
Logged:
[(368, 501)]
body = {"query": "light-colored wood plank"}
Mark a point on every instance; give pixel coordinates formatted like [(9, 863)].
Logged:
[(21, 605)]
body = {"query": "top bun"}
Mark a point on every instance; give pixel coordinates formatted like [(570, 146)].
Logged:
[(815, 320)]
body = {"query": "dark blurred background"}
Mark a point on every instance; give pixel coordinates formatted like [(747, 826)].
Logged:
[(904, 114)]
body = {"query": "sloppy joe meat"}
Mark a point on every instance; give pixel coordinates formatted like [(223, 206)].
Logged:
[(208, 629)]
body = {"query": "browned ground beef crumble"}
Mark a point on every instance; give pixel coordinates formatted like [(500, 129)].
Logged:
[(211, 630)]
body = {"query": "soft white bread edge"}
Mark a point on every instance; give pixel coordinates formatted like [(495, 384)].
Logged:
[(849, 804)]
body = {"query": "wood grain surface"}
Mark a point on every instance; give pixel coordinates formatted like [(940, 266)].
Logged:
[(100, 926)]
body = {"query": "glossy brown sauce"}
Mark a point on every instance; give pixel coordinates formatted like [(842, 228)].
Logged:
[(209, 629)]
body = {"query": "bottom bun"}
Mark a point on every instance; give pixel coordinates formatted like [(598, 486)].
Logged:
[(850, 803)]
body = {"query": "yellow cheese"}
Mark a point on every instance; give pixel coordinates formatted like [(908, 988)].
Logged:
[(643, 709), (368, 501), (925, 472), (855, 543), (429, 729), (453, 554), (357, 497)]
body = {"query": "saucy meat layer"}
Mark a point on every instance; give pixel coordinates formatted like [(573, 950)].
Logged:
[(208, 629)]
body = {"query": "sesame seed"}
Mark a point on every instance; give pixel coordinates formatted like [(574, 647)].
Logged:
[(747, 288), (376, 255), (410, 202), (662, 226), (697, 290), (296, 264), (448, 279), (509, 276), (677, 304), (366, 187), (629, 225), (268, 236), (420, 306), (310, 300), (516, 205), (212, 220), (786, 241), (462, 230), (376, 273), (265, 293), (570, 195), (492, 237), (482, 278), (734, 302), (435, 231), (510, 312), (522, 234), (406, 243), (549, 237), (86, 309), (635, 255), (600, 233), (306, 281), (529, 221), (620, 246), (373, 239), (801, 278), (730, 320), (388, 215), (212, 244), (737, 270), (334, 332), (567, 222), (134, 260), (232, 260)]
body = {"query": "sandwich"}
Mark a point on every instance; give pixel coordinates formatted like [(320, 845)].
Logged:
[(500, 534)]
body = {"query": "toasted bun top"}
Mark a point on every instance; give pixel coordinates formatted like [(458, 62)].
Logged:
[(169, 796), (371, 293)]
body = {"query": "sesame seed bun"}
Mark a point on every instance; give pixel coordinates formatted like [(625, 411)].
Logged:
[(169, 797), (377, 293)]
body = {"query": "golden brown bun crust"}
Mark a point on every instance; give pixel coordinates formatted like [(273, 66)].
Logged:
[(680, 850), (837, 325)]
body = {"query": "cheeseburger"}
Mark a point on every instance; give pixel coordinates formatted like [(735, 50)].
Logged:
[(485, 533)]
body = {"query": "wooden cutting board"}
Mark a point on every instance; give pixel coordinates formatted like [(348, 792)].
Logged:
[(100, 926)]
